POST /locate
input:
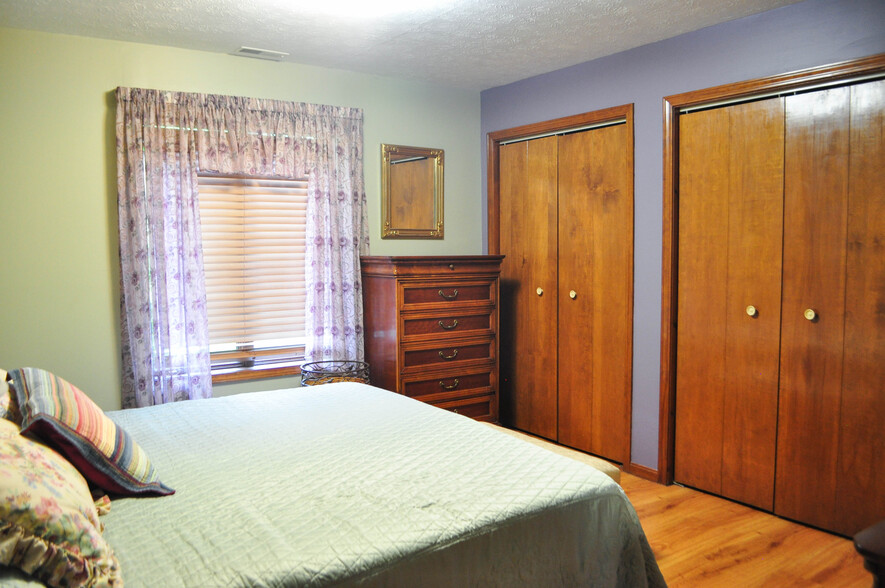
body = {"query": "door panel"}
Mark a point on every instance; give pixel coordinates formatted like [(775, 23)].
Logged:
[(755, 230), (815, 217), (860, 497), (730, 222), (596, 265), (528, 320), (701, 306)]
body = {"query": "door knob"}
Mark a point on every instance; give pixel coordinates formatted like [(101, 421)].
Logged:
[(540, 291), (810, 314), (572, 294), (751, 311)]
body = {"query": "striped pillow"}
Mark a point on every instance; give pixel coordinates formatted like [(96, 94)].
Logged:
[(62, 415)]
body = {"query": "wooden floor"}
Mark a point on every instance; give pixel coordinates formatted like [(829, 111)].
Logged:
[(701, 540)]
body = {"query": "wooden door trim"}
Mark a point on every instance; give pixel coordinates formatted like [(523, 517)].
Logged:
[(805, 79), (521, 132)]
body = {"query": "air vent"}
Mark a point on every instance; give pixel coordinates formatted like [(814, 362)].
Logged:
[(260, 53)]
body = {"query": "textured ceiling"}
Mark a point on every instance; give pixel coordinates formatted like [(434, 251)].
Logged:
[(474, 44)]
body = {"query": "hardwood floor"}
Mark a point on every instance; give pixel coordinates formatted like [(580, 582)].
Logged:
[(704, 541)]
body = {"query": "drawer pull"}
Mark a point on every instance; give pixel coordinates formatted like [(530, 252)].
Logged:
[(451, 296), (452, 356), (452, 387), (449, 327)]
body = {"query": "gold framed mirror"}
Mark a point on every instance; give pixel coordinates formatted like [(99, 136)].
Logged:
[(411, 192)]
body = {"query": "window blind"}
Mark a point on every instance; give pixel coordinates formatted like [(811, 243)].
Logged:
[(253, 231)]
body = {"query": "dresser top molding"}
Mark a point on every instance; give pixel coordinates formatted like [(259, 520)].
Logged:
[(411, 265)]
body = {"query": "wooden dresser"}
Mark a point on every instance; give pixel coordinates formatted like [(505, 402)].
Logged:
[(431, 329)]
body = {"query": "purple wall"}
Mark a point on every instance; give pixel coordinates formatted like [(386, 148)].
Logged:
[(808, 34)]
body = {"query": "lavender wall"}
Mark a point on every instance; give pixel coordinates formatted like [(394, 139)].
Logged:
[(811, 33)]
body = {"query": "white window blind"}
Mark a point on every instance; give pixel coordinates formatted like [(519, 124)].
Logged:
[(253, 231)]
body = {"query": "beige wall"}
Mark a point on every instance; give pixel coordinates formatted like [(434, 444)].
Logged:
[(59, 296)]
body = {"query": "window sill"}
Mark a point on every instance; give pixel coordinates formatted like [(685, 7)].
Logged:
[(256, 364), (259, 372)]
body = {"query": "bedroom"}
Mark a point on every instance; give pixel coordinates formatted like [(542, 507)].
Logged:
[(60, 301)]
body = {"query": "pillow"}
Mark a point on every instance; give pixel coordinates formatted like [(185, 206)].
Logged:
[(8, 403), (67, 419), (49, 526)]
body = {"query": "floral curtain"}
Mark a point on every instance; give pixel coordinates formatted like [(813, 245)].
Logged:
[(163, 140)]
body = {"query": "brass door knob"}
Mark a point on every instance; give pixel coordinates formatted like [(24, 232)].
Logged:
[(751, 311), (540, 291), (572, 294), (810, 314)]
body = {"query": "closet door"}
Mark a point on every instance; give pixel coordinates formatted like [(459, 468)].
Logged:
[(813, 310), (860, 490), (729, 271), (528, 344), (595, 291), (831, 441)]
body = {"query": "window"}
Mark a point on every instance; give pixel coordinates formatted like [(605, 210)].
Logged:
[(253, 231)]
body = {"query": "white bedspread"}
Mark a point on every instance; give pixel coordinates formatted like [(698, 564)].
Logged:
[(346, 483)]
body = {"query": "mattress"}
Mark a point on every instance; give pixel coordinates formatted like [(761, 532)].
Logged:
[(347, 484)]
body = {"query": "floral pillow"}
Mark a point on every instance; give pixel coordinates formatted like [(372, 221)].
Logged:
[(63, 416), (49, 525)]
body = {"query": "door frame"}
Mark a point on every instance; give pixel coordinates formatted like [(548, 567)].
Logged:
[(574, 123), (802, 80)]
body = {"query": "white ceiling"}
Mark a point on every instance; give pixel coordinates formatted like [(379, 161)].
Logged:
[(473, 44)]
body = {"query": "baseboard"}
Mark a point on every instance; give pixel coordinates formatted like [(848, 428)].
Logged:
[(641, 471)]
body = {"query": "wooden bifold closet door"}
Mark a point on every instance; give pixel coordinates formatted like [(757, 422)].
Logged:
[(780, 366), (529, 330), (566, 212), (730, 232)]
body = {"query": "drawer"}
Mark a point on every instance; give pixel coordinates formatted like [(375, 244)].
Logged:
[(448, 384), (447, 293), (481, 408), (448, 324), (452, 353)]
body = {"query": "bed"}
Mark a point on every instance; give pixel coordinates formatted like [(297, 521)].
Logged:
[(347, 484)]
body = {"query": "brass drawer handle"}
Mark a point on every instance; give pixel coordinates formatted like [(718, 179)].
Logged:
[(452, 387), (452, 356), (449, 327), (451, 296)]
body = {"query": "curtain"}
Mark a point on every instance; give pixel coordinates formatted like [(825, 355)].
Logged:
[(163, 140)]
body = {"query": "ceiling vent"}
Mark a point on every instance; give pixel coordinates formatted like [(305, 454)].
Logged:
[(260, 53)]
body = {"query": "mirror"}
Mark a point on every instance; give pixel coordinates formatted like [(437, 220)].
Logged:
[(411, 192)]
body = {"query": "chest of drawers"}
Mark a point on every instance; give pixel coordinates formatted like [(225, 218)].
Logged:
[(431, 329)]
